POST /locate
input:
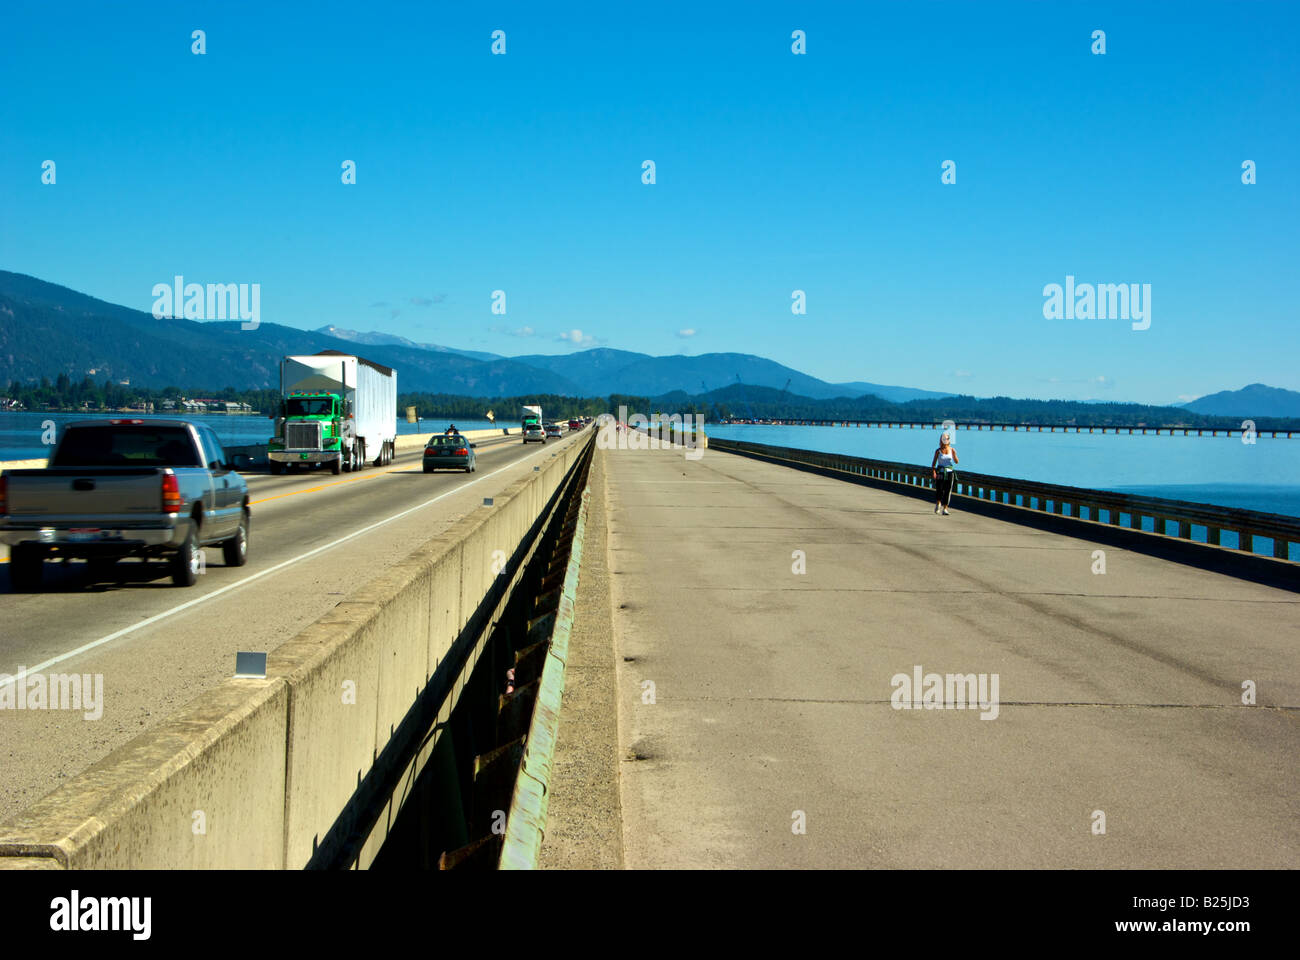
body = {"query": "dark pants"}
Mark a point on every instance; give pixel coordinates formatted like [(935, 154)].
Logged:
[(943, 486)]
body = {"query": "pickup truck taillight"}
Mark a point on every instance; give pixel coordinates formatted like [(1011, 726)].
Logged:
[(171, 494), (4, 495)]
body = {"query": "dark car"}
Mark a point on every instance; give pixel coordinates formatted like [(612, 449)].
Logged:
[(449, 451)]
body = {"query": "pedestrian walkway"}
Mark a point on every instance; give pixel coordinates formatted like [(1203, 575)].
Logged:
[(765, 620)]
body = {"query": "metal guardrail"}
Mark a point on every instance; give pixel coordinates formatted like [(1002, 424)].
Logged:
[(1218, 524)]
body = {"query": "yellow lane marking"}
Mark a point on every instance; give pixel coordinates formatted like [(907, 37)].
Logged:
[(324, 486)]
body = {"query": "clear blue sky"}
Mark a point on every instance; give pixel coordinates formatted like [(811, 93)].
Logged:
[(774, 172)]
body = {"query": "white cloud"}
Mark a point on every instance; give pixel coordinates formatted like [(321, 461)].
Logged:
[(688, 332), (962, 373), (523, 332), (577, 338)]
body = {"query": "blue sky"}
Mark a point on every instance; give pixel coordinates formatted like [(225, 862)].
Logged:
[(774, 172)]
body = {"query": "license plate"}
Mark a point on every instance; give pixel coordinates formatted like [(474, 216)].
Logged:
[(78, 536)]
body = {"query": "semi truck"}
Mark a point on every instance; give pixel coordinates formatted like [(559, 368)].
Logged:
[(531, 422), (336, 410)]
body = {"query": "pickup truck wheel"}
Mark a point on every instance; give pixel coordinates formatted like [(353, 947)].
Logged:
[(26, 567), (185, 562), (235, 550)]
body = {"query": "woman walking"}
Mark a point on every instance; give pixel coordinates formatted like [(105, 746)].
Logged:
[(943, 469)]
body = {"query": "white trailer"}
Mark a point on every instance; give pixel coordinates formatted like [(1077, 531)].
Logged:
[(361, 427)]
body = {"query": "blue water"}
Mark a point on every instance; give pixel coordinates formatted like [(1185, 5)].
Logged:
[(1216, 470), (21, 433)]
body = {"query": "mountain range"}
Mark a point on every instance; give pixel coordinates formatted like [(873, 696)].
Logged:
[(47, 329)]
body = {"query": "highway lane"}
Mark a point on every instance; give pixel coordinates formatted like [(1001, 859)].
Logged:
[(157, 646)]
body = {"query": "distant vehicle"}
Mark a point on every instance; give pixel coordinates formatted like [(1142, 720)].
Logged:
[(533, 432), (553, 430), (576, 424), (125, 487), (336, 409), (449, 451), (531, 416)]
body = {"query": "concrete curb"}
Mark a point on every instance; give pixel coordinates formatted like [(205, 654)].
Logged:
[(526, 823)]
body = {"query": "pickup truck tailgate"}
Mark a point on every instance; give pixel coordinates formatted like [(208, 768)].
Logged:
[(66, 493)]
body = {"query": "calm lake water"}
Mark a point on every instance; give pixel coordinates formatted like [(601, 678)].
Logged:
[(1218, 470), (21, 433)]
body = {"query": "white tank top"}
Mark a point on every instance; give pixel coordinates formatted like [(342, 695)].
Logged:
[(945, 460)]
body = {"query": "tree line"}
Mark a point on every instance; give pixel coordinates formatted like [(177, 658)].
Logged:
[(66, 394)]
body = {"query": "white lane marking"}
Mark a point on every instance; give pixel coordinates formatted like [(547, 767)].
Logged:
[(257, 576)]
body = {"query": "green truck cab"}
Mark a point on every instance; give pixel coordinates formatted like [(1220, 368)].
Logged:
[(311, 425), (337, 410)]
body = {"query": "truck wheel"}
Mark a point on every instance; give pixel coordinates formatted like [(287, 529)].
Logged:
[(185, 562), (235, 550), (26, 567), (336, 466)]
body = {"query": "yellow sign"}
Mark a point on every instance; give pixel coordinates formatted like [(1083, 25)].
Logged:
[(491, 416), (410, 415)]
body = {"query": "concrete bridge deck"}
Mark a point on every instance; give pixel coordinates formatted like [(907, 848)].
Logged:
[(771, 696)]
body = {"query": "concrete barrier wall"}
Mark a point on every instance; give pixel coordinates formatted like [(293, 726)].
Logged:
[(204, 790), (270, 764)]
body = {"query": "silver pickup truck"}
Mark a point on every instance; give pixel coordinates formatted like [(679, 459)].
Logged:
[(117, 488)]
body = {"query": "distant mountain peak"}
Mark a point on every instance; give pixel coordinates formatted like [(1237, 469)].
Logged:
[(1252, 400)]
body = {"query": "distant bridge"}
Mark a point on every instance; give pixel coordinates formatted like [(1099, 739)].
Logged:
[(1028, 428)]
